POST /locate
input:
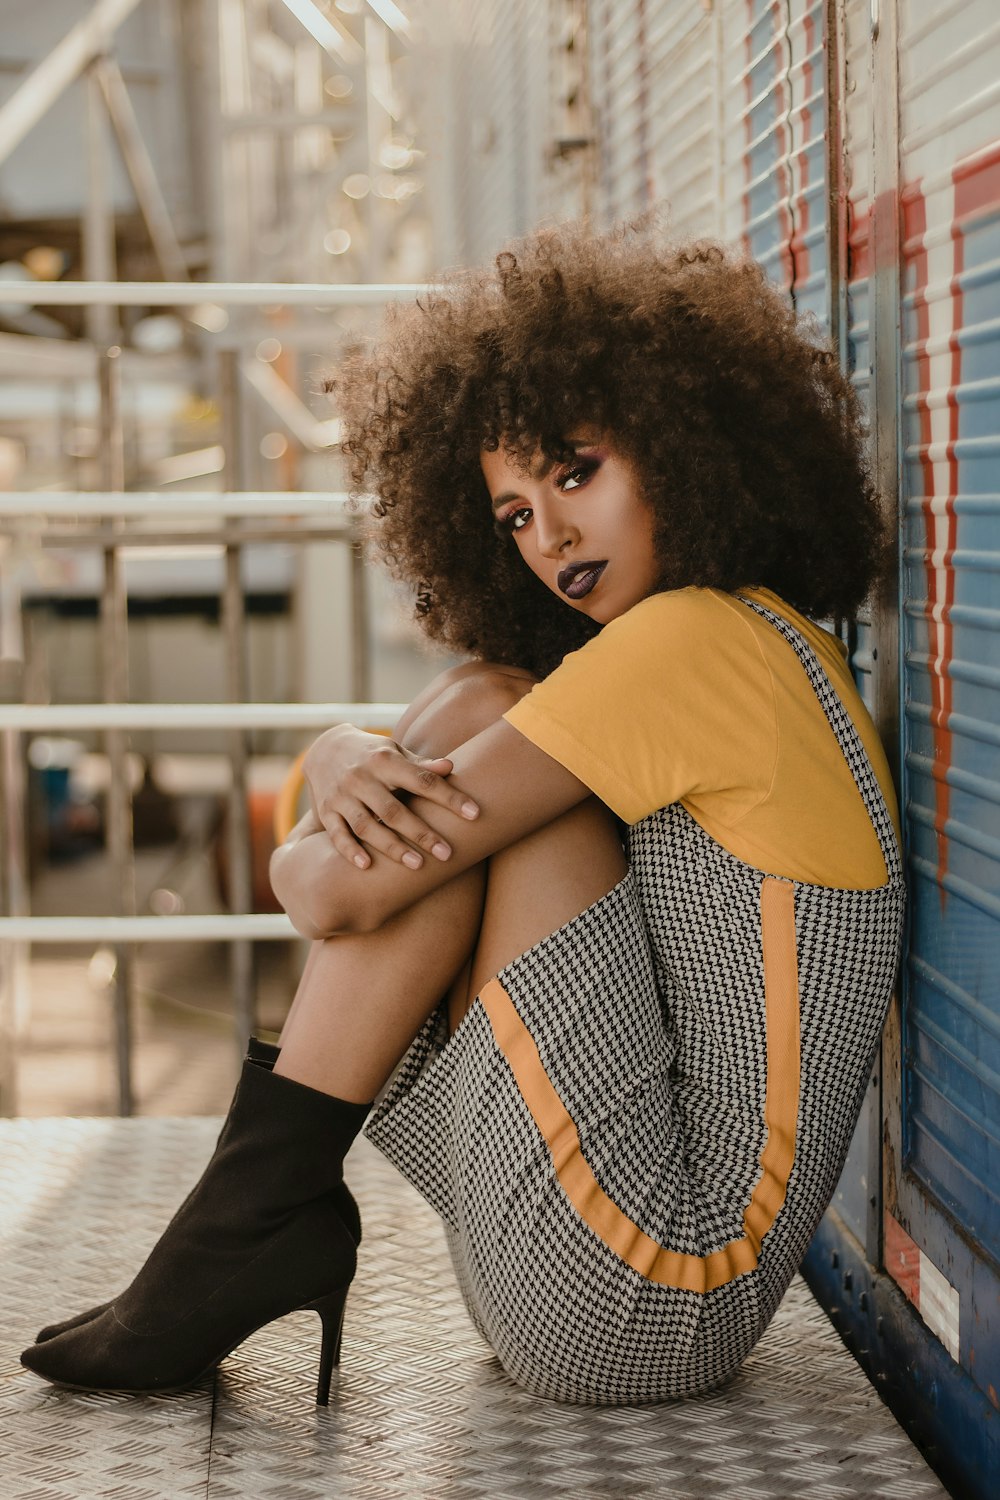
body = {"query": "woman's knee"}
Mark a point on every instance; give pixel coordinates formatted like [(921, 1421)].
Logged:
[(459, 704)]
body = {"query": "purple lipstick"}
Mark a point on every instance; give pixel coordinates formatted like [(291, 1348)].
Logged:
[(578, 579)]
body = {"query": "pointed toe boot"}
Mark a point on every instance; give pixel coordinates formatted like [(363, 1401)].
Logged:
[(260, 1055), (261, 1235)]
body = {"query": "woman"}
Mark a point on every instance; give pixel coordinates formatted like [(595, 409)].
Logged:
[(633, 1103)]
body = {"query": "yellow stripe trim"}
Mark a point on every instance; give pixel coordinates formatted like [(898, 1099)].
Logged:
[(692, 1273)]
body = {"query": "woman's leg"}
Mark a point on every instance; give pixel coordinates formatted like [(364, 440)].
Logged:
[(363, 997), (262, 1233)]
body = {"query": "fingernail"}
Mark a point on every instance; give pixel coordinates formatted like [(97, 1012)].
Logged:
[(470, 810), (361, 860), (413, 860), (440, 851)]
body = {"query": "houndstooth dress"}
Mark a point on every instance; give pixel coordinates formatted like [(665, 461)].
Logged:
[(635, 1129)]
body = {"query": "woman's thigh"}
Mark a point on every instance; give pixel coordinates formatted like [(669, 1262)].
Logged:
[(537, 885)]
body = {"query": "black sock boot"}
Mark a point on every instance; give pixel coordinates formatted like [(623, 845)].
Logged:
[(265, 1055), (262, 1055), (260, 1236)]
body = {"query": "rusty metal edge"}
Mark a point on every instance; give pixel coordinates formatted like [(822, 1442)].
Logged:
[(954, 1425)]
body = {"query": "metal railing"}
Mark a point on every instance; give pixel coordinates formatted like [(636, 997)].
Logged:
[(102, 520), (115, 718)]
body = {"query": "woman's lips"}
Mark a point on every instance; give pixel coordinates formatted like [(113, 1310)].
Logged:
[(577, 580)]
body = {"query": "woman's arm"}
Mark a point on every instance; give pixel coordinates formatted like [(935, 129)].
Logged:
[(518, 788)]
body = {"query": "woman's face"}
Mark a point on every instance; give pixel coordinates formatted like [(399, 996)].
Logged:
[(582, 527)]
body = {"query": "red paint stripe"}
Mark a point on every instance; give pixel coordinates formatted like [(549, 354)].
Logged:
[(939, 599), (902, 1259), (915, 228), (859, 220), (977, 194), (783, 172), (977, 183)]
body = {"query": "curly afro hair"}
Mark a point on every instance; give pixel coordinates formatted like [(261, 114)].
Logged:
[(745, 435)]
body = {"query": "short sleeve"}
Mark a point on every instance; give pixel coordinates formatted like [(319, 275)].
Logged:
[(671, 702)]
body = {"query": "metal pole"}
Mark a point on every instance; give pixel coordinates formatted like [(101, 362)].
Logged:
[(196, 293), (114, 689), (141, 171), (98, 229), (361, 688), (885, 315), (836, 178), (54, 74), (241, 955), (102, 327), (196, 929), (59, 717), (41, 505), (14, 956)]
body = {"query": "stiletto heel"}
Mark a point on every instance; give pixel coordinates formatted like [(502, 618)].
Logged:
[(261, 1055), (331, 1311), (260, 1235)]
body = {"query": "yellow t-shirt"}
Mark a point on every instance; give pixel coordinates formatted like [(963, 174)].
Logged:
[(692, 697)]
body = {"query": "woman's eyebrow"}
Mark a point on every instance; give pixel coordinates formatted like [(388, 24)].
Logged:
[(504, 499), (543, 467)]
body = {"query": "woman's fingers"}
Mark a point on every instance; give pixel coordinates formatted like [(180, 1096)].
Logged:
[(383, 821), (359, 787), (431, 781), (346, 845), (355, 836), (394, 831)]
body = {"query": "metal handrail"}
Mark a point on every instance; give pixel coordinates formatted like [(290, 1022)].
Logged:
[(96, 503), (92, 930), (51, 717), (33, 511), (197, 293)]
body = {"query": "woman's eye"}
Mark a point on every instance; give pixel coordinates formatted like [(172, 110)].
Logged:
[(575, 478), (514, 520)]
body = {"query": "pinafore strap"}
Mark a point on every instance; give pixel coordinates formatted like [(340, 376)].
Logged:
[(847, 737)]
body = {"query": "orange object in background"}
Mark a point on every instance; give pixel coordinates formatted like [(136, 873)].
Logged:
[(286, 801), (261, 814)]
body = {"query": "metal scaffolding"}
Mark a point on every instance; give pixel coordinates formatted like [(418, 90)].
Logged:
[(306, 162)]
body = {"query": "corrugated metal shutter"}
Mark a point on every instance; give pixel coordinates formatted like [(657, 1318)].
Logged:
[(565, 123), (619, 74), (489, 162), (774, 120), (654, 70), (950, 168), (491, 57), (505, 69), (720, 114), (685, 147), (717, 113)]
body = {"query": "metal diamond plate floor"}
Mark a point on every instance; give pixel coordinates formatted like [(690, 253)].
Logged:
[(420, 1410)]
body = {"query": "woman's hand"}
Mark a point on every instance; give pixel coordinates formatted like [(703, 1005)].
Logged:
[(352, 776)]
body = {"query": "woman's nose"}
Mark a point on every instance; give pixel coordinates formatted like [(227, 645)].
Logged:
[(553, 533)]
